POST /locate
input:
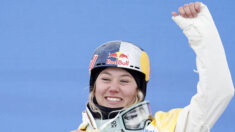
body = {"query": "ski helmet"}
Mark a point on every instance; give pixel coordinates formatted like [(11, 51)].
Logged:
[(124, 55)]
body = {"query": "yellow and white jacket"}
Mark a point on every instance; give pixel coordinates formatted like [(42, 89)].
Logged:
[(215, 88)]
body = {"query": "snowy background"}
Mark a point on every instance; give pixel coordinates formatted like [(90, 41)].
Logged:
[(46, 46)]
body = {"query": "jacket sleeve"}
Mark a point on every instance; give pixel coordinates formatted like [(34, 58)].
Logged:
[(215, 88)]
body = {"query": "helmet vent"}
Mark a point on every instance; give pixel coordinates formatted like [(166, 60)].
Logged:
[(98, 64), (137, 67)]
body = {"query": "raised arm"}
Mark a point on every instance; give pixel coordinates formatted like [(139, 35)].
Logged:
[(215, 88)]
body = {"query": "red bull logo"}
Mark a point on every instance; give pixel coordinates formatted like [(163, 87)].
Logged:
[(118, 58), (112, 55)]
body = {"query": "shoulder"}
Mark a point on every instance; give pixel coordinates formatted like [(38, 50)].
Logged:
[(164, 121)]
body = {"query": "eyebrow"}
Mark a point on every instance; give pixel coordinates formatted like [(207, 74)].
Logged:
[(124, 75), (105, 73)]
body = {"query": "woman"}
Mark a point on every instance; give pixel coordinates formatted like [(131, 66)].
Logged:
[(119, 72)]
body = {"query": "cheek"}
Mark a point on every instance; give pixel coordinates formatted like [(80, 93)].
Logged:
[(130, 93), (99, 91)]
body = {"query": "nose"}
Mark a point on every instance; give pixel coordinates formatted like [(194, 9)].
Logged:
[(114, 87)]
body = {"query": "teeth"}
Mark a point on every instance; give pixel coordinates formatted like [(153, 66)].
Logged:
[(113, 99)]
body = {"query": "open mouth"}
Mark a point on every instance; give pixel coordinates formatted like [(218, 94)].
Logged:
[(113, 99)]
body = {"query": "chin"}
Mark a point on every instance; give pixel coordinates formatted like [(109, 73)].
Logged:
[(114, 106)]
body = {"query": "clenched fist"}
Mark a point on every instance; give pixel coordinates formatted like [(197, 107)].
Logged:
[(188, 10)]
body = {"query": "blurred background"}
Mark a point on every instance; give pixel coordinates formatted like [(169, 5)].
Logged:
[(46, 47)]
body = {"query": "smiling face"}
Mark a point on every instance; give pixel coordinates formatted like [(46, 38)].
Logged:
[(115, 87)]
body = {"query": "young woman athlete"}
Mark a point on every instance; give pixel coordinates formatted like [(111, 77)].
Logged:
[(119, 72)]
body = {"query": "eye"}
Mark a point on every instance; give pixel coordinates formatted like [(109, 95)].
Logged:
[(124, 81), (106, 79)]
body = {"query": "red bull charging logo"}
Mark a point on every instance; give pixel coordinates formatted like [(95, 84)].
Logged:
[(118, 58)]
